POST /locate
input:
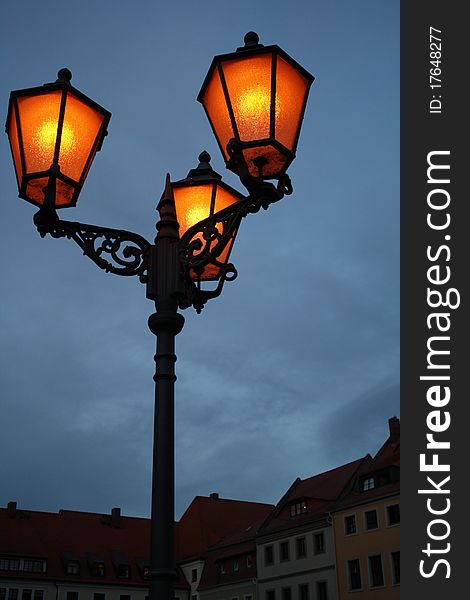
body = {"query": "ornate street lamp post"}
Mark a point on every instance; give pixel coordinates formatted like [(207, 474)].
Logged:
[(255, 100)]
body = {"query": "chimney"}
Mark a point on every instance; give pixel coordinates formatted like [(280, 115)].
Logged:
[(214, 496), (115, 517), (394, 426), (11, 509)]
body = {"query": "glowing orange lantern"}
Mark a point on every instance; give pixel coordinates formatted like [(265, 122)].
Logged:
[(55, 132), (257, 96), (198, 197)]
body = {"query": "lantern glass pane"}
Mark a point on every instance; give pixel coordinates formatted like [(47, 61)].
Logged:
[(249, 86), (216, 107), (39, 116), (223, 198), (193, 204), (291, 88), (80, 129), (35, 191), (15, 146), (211, 272), (275, 161)]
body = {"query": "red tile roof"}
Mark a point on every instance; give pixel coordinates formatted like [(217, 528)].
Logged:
[(48, 535), (318, 492), (386, 460), (210, 520)]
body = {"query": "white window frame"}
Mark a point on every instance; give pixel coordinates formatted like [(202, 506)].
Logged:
[(392, 574), (281, 544), (386, 515), (297, 540), (325, 581), (375, 587), (315, 551), (355, 524), (365, 520), (350, 588)]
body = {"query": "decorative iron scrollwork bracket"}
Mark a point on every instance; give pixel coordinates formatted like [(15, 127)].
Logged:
[(114, 250), (202, 244)]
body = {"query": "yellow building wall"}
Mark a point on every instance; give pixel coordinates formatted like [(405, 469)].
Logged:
[(384, 540)]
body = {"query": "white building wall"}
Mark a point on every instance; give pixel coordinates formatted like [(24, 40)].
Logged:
[(292, 573)]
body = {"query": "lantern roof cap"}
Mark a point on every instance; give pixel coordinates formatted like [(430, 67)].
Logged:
[(203, 171)]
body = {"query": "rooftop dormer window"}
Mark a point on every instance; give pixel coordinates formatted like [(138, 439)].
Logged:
[(72, 567), (123, 571), (368, 484), (298, 508), (98, 569), (96, 564)]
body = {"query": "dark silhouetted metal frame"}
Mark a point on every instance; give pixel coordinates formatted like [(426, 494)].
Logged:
[(166, 267)]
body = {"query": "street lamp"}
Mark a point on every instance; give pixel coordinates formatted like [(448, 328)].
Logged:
[(255, 99)]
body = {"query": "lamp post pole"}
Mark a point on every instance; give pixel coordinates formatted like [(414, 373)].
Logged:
[(165, 323)]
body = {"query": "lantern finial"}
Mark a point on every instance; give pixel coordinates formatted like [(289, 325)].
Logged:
[(64, 76), (204, 158), (251, 40)]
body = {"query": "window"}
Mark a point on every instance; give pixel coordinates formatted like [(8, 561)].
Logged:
[(125, 597), (98, 570), (194, 597), (222, 568), (371, 519), (123, 571), (322, 593), (248, 597), (354, 571), (27, 595), (13, 594), (301, 548), (319, 543), (284, 550), (235, 565), (9, 564), (29, 565), (383, 478), (268, 555), (249, 562), (194, 575), (395, 567), (298, 508), (350, 524), (38, 594), (72, 567), (270, 595), (32, 566), (72, 595), (303, 591), (286, 593), (98, 596), (368, 484), (3, 593), (393, 514), (376, 574)]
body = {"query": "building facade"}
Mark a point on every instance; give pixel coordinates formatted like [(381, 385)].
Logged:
[(367, 527), (330, 536)]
